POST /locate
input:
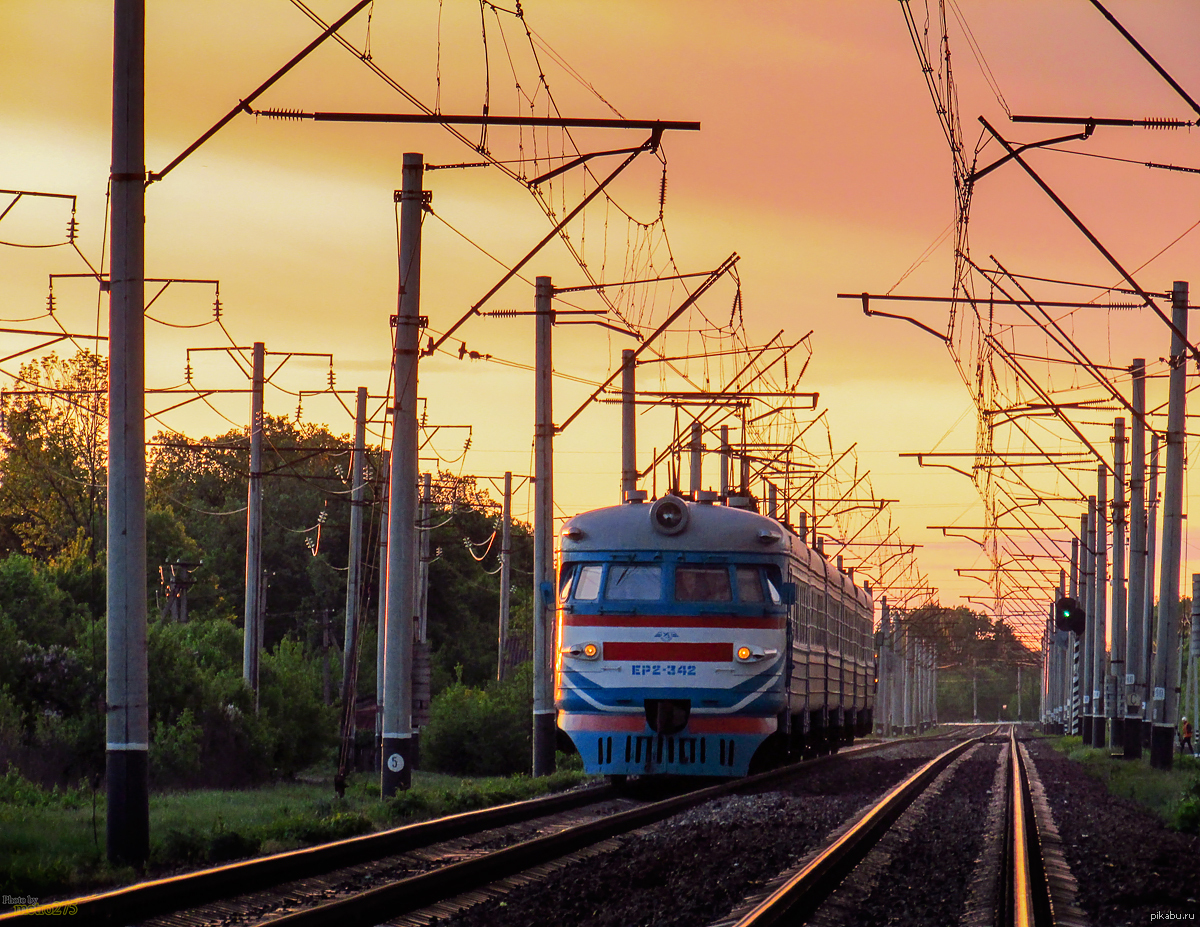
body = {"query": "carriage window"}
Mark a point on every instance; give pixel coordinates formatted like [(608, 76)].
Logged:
[(702, 584), (633, 582), (749, 586), (587, 586), (773, 592)]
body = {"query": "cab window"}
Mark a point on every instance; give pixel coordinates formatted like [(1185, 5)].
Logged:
[(702, 584), (773, 592), (587, 584), (633, 581), (749, 584), (564, 582)]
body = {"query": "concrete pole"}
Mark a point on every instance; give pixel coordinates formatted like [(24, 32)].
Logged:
[(1116, 677), (358, 487), (1194, 656), (423, 572), (127, 728), (1148, 602), (724, 462), (883, 708), (772, 501), (1089, 637), (1100, 644), (1072, 667), (396, 771), (1164, 705), (381, 607), (251, 633), (696, 459), (505, 572), (628, 422), (543, 536), (1135, 678)]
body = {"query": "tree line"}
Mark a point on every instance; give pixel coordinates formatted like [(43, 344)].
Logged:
[(205, 730)]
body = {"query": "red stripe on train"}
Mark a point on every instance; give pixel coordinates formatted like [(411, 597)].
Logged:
[(671, 621), (730, 724), (695, 652)]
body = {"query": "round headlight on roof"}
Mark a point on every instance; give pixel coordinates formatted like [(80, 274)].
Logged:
[(669, 515)]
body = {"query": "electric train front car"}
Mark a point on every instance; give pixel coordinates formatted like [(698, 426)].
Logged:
[(677, 633)]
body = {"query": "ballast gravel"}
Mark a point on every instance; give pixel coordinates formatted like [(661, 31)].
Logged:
[(1130, 867), (694, 868)]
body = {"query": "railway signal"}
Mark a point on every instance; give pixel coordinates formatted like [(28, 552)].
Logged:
[(1068, 615)]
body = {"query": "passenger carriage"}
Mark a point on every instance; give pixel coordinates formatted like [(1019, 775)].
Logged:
[(695, 637)]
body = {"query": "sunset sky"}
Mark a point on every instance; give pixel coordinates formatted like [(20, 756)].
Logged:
[(820, 161)]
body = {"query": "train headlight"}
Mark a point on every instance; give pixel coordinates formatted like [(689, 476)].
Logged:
[(588, 651), (669, 515), (749, 654)]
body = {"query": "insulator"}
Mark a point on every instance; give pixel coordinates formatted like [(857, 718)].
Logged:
[(505, 313), (662, 190), (332, 378), (299, 409), (217, 308), (187, 372), (321, 518), (283, 113), (72, 229), (1164, 122), (50, 302)]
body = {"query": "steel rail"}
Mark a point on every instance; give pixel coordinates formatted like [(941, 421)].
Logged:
[(801, 895), (144, 900), (389, 901), (1027, 895)]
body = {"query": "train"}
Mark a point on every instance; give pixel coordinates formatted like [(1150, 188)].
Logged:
[(705, 639)]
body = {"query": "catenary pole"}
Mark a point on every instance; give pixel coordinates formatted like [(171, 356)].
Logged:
[(543, 534), (127, 734), (885, 633), (1100, 644), (396, 772), (381, 608), (1072, 668), (358, 485), (1135, 678), (724, 485), (629, 471), (1148, 602), (1165, 701), (252, 634), (1089, 651), (1116, 677), (505, 572), (696, 459)]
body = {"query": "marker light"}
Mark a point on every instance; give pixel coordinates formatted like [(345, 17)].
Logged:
[(588, 651), (746, 654)]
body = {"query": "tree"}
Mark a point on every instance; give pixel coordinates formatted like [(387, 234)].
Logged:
[(53, 456)]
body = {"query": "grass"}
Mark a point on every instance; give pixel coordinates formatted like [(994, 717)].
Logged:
[(52, 842), (1173, 795)]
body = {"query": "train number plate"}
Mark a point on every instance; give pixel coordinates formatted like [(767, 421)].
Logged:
[(664, 669)]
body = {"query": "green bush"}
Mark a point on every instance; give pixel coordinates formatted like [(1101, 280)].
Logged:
[(481, 732)]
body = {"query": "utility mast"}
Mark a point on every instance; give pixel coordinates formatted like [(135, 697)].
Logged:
[(396, 773), (127, 728)]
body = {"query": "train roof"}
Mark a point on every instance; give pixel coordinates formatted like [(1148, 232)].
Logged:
[(701, 527)]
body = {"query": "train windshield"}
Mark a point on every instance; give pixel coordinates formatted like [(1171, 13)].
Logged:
[(587, 582), (702, 584), (633, 581), (749, 584)]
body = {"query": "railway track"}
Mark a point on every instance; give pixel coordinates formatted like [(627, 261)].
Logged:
[(329, 890), (1020, 880)]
